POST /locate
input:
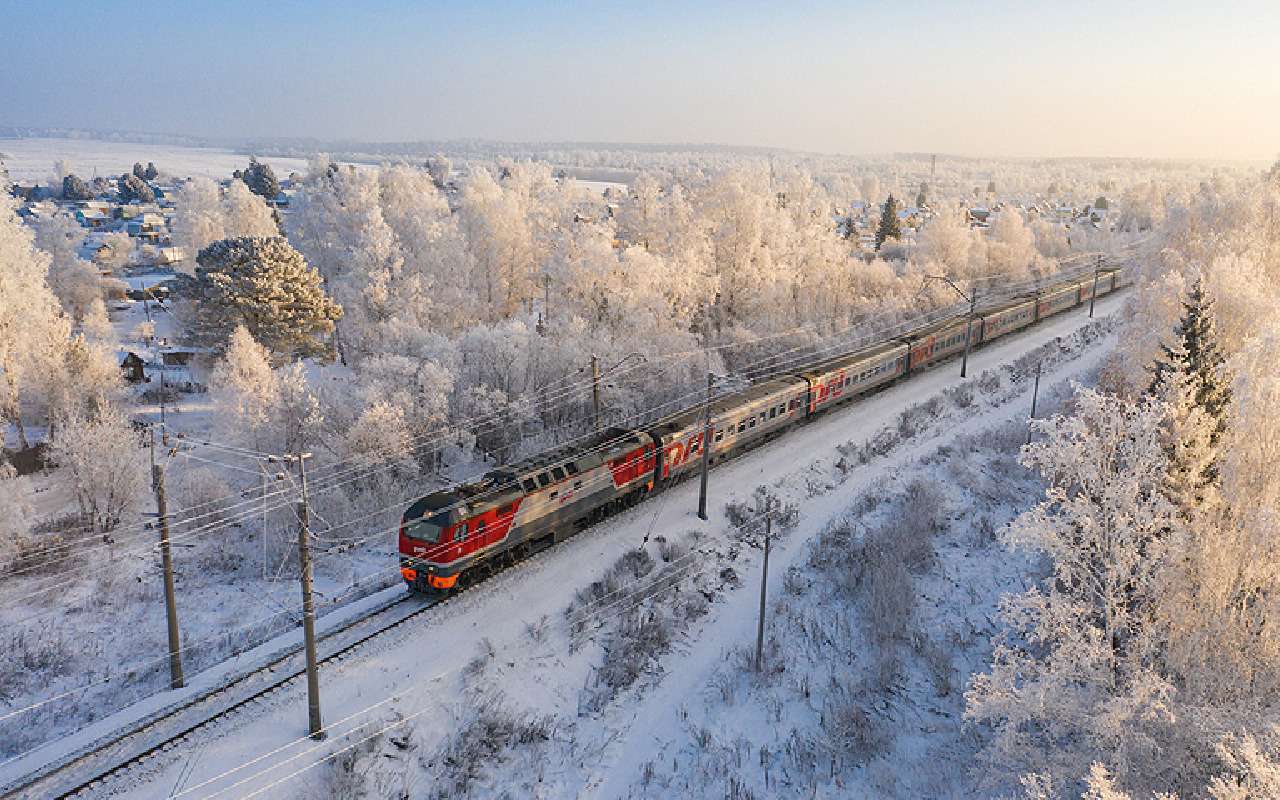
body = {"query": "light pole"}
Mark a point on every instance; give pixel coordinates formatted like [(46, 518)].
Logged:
[(1093, 297), (706, 448), (972, 297)]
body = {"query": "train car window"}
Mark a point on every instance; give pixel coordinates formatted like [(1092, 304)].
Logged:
[(557, 473), (571, 468), (460, 532), (773, 412), (554, 494), (742, 426), (530, 485), (479, 527), (693, 447), (752, 423), (719, 435), (544, 479), (577, 484)]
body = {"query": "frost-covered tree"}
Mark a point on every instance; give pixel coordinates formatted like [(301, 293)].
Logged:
[(203, 214), (947, 240), (265, 285), (133, 189), (1073, 677), (889, 227), (298, 416), (104, 463), (1197, 354), (72, 279), (260, 179), (115, 250), (440, 169), (19, 517), (96, 324), (245, 390), (73, 188), (1011, 247), (33, 329), (1253, 767)]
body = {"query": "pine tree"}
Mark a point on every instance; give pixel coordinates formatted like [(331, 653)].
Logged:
[(1189, 376), (922, 198), (74, 188), (261, 180), (267, 286), (134, 189), (889, 228), (150, 173)]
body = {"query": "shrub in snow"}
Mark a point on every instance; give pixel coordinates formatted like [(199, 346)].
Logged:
[(489, 734)]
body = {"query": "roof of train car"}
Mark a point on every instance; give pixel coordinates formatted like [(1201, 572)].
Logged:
[(682, 419), (589, 450), (1020, 300), (828, 364), (941, 324)]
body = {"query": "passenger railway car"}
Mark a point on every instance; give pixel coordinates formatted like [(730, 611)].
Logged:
[(448, 537)]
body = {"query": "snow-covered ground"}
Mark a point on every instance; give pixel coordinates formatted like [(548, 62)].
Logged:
[(508, 641), (31, 160)]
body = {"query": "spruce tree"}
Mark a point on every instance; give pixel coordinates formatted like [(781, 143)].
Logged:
[(889, 225), (1188, 375)]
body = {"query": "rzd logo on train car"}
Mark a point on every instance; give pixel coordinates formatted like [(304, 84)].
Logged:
[(679, 453), (830, 390)]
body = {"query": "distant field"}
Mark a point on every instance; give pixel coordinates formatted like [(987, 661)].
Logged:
[(32, 159)]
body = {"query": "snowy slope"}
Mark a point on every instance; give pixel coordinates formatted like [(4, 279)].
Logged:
[(416, 677)]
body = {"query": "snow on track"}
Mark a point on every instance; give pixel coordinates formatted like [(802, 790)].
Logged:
[(408, 665)]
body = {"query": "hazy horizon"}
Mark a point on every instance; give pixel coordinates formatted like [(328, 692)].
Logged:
[(1168, 81)]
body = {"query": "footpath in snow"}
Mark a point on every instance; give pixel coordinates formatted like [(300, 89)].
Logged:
[(511, 628)]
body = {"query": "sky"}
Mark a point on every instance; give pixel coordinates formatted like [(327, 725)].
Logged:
[(1174, 79)]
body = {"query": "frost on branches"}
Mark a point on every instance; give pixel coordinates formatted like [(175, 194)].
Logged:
[(1072, 679), (203, 214), (266, 286)]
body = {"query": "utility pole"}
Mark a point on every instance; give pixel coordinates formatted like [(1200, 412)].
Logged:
[(764, 585), (595, 389), (1035, 393), (166, 560), (316, 729), (706, 449), (1093, 298), (968, 331)]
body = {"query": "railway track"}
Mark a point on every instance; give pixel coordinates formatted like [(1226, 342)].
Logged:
[(94, 766)]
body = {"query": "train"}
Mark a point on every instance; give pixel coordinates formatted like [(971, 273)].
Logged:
[(449, 538)]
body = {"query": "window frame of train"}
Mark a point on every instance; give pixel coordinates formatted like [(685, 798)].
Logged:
[(530, 484)]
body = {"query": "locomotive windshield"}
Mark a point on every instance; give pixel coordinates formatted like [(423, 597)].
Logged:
[(423, 530)]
